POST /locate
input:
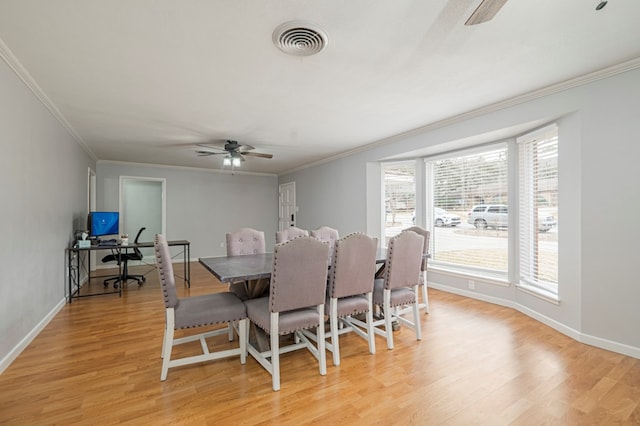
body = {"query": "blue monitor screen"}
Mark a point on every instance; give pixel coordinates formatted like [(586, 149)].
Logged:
[(103, 223)]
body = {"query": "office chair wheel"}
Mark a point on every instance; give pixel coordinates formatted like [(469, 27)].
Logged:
[(115, 286)]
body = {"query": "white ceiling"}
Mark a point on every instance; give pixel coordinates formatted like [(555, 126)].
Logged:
[(143, 80)]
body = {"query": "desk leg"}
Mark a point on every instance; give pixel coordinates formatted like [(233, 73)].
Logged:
[(187, 265), (70, 271)]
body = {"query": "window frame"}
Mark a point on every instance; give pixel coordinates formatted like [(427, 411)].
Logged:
[(489, 275), (527, 196)]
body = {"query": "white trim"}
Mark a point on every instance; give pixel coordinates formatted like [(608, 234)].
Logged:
[(478, 276), (587, 339), (121, 205), (534, 134), (30, 82), (26, 340), (201, 169), (536, 94), (539, 293)]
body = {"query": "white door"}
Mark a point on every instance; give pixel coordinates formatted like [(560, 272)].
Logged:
[(287, 206)]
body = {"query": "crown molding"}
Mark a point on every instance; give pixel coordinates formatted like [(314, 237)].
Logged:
[(536, 94), (13, 62), (198, 169)]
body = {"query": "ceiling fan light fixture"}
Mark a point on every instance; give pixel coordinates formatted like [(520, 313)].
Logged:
[(226, 161)]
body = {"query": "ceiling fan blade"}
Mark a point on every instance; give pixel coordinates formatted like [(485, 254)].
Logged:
[(207, 153), (257, 154), (485, 11), (202, 145)]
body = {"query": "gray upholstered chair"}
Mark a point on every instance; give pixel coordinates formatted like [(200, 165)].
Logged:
[(325, 233), (191, 312), (296, 302), (423, 276), (243, 242), (239, 243), (289, 234), (399, 287), (350, 290)]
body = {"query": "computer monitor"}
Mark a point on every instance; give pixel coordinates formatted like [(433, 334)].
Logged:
[(103, 223)]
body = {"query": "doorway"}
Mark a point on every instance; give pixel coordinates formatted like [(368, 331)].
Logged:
[(287, 212), (142, 204)]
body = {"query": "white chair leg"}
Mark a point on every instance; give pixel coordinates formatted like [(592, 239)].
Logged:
[(275, 352), (322, 351), (231, 332), (243, 330), (388, 327), (167, 344), (425, 294), (333, 320), (164, 338), (416, 319), (370, 333)]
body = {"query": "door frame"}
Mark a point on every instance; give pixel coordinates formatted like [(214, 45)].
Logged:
[(121, 203)]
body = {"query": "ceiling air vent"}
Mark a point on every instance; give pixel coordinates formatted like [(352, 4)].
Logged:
[(299, 38)]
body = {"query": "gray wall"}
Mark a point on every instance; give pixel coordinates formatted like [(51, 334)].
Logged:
[(44, 175), (44, 199), (599, 196), (202, 205)]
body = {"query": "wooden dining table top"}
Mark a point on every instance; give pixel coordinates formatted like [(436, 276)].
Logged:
[(251, 266)]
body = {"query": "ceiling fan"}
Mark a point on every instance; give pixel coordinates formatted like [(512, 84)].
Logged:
[(485, 11), (233, 151)]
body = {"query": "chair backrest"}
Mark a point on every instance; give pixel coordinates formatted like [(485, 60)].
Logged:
[(327, 234), (165, 271), (245, 241), (425, 249), (137, 254), (353, 266), (299, 274), (404, 260), (289, 234)]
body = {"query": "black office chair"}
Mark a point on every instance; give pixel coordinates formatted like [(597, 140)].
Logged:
[(136, 254)]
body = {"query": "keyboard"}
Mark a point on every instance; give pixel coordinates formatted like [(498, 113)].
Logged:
[(108, 243)]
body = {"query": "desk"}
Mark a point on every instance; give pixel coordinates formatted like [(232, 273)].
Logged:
[(76, 264)]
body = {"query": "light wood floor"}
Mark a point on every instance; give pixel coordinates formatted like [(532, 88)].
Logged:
[(98, 362)]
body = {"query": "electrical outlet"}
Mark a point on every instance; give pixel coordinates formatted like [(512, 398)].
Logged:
[(472, 285), (222, 245)]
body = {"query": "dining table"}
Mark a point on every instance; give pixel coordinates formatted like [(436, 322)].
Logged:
[(250, 268)]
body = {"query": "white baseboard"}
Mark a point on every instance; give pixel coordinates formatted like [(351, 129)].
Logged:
[(21, 346), (587, 339)]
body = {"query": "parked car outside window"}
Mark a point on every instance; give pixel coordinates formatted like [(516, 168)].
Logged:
[(444, 218), (496, 216)]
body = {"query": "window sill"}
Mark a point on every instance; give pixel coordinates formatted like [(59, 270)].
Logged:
[(539, 293), (485, 277)]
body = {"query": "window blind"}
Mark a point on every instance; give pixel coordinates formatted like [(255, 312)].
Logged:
[(538, 209), (399, 197), (461, 183)]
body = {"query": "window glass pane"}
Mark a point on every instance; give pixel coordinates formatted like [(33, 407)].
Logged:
[(472, 190), (399, 196), (538, 171)]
